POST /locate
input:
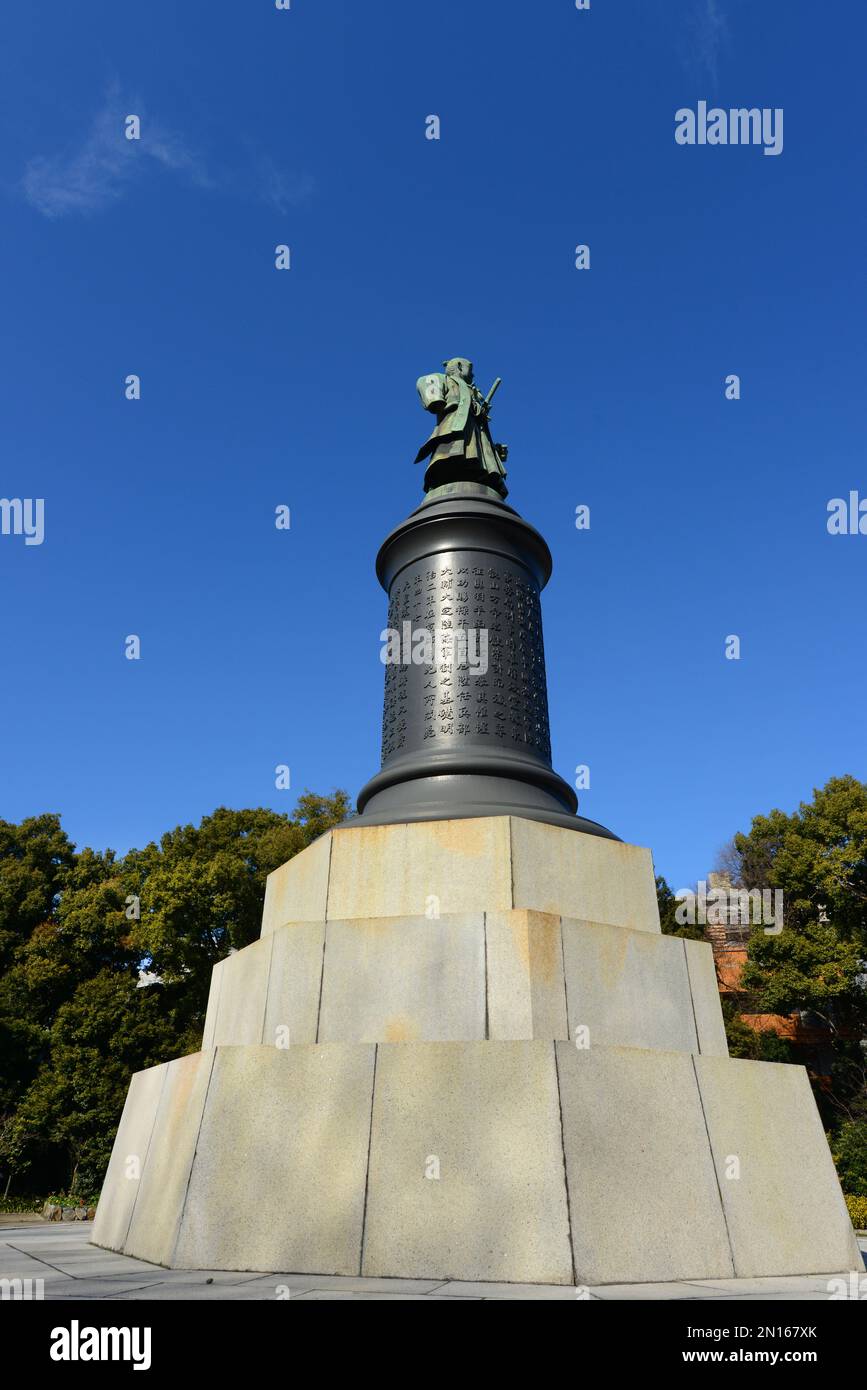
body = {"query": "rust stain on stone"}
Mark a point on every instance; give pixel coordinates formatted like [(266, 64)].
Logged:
[(464, 837), (521, 937), (543, 933), (613, 949), (400, 1029)]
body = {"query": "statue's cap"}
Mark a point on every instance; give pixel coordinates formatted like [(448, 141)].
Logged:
[(462, 364)]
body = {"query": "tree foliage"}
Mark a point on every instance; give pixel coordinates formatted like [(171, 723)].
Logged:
[(817, 856), (744, 1041), (668, 905), (850, 1156), (80, 935), (817, 964)]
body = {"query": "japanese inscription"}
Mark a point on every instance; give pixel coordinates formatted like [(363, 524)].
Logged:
[(506, 704)]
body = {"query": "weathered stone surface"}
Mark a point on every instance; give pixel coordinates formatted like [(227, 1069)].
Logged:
[(274, 1175), (487, 1113), (294, 983), (526, 991), (268, 991), (628, 988), (488, 864), (582, 876), (298, 890), (643, 1198), (265, 1165), (785, 1211), (120, 1186), (242, 993), (279, 1174), (401, 979), (406, 979), (453, 866), (704, 989), (156, 1215)]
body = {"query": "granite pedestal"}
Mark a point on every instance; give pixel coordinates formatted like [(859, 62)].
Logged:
[(463, 1049)]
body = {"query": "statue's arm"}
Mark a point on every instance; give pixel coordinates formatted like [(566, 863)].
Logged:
[(432, 391)]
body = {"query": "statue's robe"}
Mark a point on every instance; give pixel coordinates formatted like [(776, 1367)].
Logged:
[(460, 445)]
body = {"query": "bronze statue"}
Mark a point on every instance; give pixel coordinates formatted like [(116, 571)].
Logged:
[(460, 448)]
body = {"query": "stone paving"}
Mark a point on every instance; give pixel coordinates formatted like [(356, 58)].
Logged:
[(60, 1254)]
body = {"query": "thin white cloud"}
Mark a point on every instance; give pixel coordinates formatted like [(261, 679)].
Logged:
[(707, 36), (280, 189), (89, 177)]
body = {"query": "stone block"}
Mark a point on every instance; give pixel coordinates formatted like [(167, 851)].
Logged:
[(628, 988), (453, 866), (582, 876), (298, 890), (460, 1148), (487, 1114), (273, 983), (157, 1213), (294, 983), (526, 991), (643, 1197), (487, 864), (127, 1162), (279, 1174), (784, 1209), (706, 1005), (243, 991), (408, 979), (404, 979)]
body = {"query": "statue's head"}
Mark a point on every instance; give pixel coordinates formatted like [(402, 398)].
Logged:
[(459, 366)]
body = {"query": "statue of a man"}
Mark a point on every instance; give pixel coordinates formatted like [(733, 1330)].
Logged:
[(460, 448)]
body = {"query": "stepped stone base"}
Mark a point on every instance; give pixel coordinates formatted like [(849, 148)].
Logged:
[(465, 1050), (527, 1161)]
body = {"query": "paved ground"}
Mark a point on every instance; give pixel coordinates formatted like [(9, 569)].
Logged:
[(61, 1255)]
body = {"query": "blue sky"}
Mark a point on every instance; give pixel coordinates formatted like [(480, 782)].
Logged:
[(261, 387)]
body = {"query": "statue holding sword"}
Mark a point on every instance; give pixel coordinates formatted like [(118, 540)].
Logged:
[(460, 449)]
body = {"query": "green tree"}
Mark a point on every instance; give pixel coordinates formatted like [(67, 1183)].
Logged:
[(817, 856), (850, 1156), (34, 857), (744, 1041), (105, 966), (668, 905), (201, 890), (107, 1030)]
